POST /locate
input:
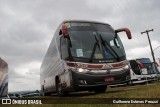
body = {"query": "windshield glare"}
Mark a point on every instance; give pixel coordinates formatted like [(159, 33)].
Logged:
[(84, 42)]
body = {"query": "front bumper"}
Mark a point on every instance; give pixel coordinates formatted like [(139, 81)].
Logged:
[(84, 81)]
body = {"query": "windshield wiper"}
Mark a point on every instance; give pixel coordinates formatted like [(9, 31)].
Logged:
[(94, 48), (115, 55), (93, 51)]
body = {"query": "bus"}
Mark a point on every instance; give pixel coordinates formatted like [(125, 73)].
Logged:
[(3, 78), (138, 72), (84, 56), (151, 68)]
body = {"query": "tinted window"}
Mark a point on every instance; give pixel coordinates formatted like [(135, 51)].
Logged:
[(144, 60), (74, 26), (85, 39), (135, 67), (64, 48)]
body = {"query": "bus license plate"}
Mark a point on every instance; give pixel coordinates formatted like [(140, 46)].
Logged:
[(109, 79)]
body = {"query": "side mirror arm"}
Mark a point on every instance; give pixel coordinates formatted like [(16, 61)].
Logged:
[(125, 30)]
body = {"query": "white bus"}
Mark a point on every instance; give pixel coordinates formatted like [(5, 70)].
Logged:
[(143, 70), (84, 55)]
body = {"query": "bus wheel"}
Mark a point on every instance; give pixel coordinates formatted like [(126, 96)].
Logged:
[(101, 89), (60, 90)]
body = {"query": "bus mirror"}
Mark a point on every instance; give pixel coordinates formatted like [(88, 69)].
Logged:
[(125, 30), (140, 64), (64, 31)]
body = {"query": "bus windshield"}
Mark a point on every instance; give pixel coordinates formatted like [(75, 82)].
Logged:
[(94, 41), (149, 65)]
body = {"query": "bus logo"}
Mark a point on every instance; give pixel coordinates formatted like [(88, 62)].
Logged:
[(80, 65), (107, 66)]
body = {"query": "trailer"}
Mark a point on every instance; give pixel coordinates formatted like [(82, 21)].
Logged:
[(84, 56), (3, 78)]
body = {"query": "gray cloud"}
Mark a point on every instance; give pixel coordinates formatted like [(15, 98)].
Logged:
[(27, 27)]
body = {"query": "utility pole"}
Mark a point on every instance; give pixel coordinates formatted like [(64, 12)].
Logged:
[(147, 31)]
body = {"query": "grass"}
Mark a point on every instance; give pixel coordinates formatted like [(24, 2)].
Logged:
[(139, 91)]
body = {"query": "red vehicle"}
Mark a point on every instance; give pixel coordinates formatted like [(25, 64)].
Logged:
[(84, 55)]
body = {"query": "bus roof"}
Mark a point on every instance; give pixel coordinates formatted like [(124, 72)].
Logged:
[(142, 60), (85, 21)]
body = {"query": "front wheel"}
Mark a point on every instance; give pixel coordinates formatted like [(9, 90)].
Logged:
[(60, 90), (101, 89)]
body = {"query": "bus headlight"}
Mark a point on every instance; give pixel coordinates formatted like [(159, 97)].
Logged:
[(81, 70), (126, 67)]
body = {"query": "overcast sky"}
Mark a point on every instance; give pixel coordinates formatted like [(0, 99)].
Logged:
[(27, 27)]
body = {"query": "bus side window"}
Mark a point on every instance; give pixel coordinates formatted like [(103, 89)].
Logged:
[(63, 48)]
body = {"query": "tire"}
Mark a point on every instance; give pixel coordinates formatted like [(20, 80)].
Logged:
[(101, 89), (60, 91)]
